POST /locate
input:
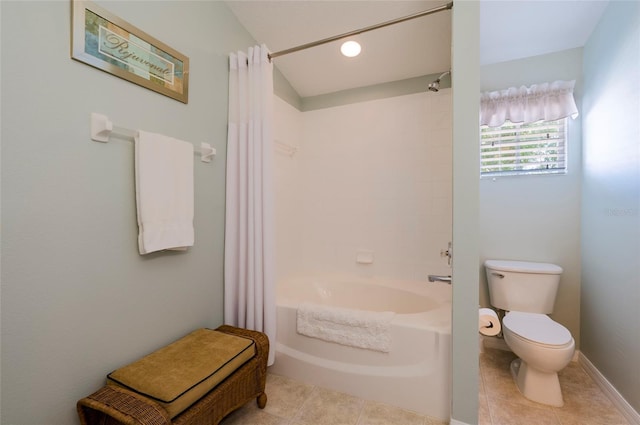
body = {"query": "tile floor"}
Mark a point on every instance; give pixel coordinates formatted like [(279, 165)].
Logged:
[(295, 403), (502, 404)]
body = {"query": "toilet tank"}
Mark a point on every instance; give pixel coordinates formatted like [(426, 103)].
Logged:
[(523, 286)]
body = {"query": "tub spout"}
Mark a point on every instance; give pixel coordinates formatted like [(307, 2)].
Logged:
[(438, 278)]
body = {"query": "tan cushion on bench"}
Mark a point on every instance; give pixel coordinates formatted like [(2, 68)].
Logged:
[(179, 374)]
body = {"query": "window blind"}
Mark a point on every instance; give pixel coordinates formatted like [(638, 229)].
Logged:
[(535, 148)]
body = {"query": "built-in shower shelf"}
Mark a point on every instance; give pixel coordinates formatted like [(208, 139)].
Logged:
[(285, 148)]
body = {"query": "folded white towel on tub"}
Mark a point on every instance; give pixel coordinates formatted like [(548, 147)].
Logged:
[(164, 192), (355, 328)]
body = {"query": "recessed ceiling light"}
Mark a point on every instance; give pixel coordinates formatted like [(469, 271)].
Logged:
[(350, 49)]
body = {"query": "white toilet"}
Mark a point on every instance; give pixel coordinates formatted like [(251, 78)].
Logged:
[(527, 292)]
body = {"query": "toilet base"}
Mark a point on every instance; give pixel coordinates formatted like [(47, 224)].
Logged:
[(541, 387)]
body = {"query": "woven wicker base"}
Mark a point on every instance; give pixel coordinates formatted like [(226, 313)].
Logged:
[(112, 405)]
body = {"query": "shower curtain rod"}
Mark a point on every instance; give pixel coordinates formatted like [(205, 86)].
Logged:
[(360, 31)]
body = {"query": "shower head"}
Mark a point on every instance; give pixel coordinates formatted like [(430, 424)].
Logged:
[(435, 85)]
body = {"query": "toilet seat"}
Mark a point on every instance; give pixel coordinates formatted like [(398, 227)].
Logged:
[(537, 329)]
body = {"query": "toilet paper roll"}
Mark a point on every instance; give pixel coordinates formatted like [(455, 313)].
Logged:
[(489, 324)]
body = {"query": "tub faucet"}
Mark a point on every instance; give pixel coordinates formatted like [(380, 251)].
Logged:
[(439, 278)]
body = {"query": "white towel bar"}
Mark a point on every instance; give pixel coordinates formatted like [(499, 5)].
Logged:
[(102, 128)]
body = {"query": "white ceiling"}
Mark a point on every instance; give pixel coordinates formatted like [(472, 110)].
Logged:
[(517, 29), (509, 30)]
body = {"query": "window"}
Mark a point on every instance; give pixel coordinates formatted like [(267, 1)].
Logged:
[(515, 149)]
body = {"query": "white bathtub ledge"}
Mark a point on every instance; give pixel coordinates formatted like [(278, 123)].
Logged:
[(438, 320)]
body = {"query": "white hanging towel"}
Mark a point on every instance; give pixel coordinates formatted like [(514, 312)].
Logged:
[(164, 192)]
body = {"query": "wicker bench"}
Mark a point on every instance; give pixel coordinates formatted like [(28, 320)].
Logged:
[(113, 405)]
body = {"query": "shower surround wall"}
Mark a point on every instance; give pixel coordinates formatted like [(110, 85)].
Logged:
[(374, 176)]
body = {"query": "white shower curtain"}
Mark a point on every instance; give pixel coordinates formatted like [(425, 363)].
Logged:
[(249, 274)]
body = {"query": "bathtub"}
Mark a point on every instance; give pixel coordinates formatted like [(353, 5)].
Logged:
[(414, 374)]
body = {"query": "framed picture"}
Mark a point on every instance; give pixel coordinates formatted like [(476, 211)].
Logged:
[(113, 45)]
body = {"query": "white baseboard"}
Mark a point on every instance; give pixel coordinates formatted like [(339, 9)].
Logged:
[(610, 391), (576, 356), (455, 422)]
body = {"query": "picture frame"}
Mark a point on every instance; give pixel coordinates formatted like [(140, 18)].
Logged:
[(104, 41)]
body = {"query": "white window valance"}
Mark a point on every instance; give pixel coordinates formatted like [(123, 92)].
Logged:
[(540, 102)]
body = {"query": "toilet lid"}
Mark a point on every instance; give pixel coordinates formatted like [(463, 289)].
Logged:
[(537, 328)]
